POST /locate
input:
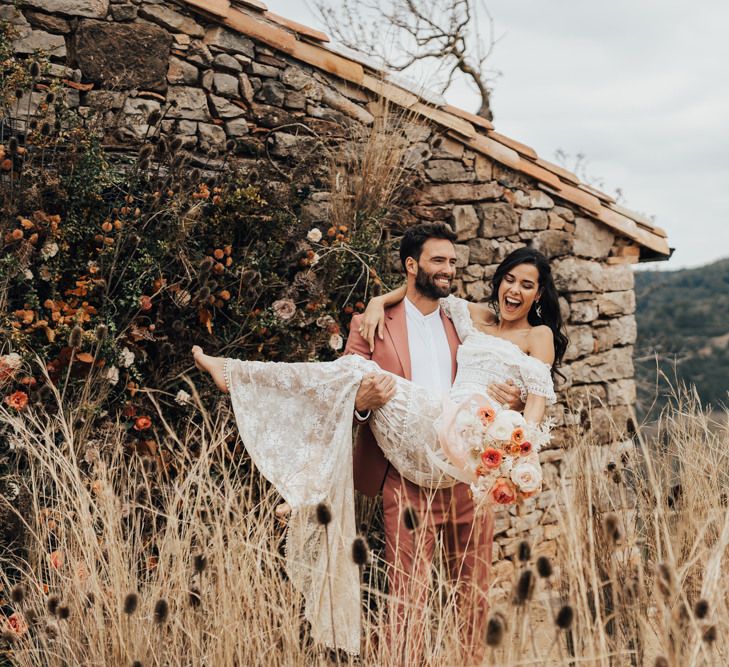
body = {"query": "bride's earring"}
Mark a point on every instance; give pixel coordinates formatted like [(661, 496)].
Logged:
[(539, 310)]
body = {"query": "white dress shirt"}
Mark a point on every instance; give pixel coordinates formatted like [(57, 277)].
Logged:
[(430, 354)]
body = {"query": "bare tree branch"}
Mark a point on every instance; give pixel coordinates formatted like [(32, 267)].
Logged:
[(406, 34)]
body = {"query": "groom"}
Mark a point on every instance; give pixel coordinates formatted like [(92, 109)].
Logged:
[(420, 344)]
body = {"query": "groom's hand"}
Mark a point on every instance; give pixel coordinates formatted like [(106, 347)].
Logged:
[(507, 393), (374, 391)]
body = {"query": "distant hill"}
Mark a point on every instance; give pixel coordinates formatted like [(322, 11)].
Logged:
[(683, 317)]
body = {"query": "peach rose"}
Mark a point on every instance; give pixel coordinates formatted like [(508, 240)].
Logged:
[(503, 492), (526, 448), (57, 559), (16, 623), (517, 436), (491, 458), (486, 414)]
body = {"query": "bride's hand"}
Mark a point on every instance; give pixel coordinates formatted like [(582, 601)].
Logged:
[(373, 321)]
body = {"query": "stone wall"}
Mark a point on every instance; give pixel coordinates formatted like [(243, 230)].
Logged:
[(122, 60)]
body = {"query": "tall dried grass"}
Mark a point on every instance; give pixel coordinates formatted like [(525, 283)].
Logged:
[(128, 564)]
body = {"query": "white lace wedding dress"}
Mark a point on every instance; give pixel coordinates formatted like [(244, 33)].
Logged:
[(296, 422)]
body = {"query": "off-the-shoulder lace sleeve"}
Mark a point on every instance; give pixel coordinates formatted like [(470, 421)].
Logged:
[(457, 310), (537, 378)]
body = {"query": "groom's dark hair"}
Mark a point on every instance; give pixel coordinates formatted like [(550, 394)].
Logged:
[(415, 237)]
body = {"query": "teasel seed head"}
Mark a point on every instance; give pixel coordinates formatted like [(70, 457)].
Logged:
[(64, 611), (18, 93), (161, 611), (52, 604), (176, 144), (525, 551), (709, 635), (45, 129), (194, 596), (544, 567), (524, 587), (230, 145), (50, 98), (17, 593), (323, 514), (564, 617), (137, 663), (410, 518), (154, 117), (701, 608), (204, 293), (617, 477), (664, 580), (195, 175), (31, 617), (178, 161), (131, 601), (145, 152), (51, 629), (200, 562), (162, 147), (141, 496), (495, 630), (206, 264), (660, 662), (33, 125), (35, 69), (8, 636), (74, 340), (12, 145), (57, 125), (612, 527), (360, 551), (101, 332)]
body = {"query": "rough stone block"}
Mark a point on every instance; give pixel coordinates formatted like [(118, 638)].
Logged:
[(227, 62), (553, 243), (465, 222), (124, 12), (225, 84), (498, 219), (614, 304), (89, 8), (540, 199), (264, 71), (462, 255), (572, 274), (613, 364), (592, 239), (48, 22), (211, 136), (225, 108), (477, 290), (271, 92), (40, 40), (123, 55), (226, 40), (246, 89), (190, 103), (617, 278), (534, 219), (448, 171), (340, 103), (459, 193), (581, 342), (490, 251), (564, 213), (181, 72), (483, 168), (170, 19), (285, 145), (621, 392), (236, 127), (617, 331), (583, 311)]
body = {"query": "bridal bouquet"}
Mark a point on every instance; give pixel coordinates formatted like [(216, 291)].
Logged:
[(496, 452)]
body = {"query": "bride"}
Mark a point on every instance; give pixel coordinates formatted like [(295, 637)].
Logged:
[(296, 422)]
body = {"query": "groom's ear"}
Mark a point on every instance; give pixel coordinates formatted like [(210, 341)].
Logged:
[(411, 266)]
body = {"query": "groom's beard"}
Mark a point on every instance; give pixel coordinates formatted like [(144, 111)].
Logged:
[(425, 285)]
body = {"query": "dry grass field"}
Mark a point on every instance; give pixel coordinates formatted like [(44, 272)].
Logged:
[(128, 565)]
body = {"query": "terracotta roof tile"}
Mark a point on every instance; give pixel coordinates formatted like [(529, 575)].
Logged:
[(602, 196), (525, 150), (217, 8), (253, 4), (328, 61), (470, 117), (487, 146), (391, 93), (446, 119), (298, 28), (260, 30), (563, 173), (424, 93)]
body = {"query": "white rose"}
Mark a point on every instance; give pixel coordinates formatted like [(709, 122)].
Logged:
[(315, 259), (336, 342), (112, 375), (284, 309), (503, 426), (527, 477), (314, 235), (127, 358), (12, 360), (28, 274)]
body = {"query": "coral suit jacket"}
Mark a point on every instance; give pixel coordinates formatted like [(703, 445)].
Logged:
[(391, 354)]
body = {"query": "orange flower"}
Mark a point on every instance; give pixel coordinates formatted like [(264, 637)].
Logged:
[(514, 449), (142, 423), (503, 492), (16, 624), (17, 400), (517, 437), (526, 448), (486, 414), (145, 302), (57, 559), (491, 458)]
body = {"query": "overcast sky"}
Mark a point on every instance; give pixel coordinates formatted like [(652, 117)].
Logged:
[(641, 88)]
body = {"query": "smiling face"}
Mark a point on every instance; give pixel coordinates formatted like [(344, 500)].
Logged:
[(433, 273), (518, 291)]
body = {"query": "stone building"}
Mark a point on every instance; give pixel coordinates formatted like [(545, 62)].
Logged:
[(234, 69)]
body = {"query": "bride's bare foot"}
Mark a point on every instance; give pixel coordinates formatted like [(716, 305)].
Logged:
[(212, 365)]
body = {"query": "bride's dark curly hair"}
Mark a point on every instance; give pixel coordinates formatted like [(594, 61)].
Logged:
[(548, 300)]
